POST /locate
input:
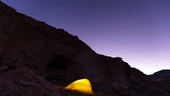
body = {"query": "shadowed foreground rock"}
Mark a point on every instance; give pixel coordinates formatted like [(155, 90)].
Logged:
[(51, 57), (21, 83)]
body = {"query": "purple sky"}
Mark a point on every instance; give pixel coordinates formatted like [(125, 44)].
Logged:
[(136, 30)]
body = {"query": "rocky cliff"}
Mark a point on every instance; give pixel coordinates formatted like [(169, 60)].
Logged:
[(35, 58)]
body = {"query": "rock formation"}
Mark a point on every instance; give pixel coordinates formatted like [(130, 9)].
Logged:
[(162, 73), (22, 83), (35, 58)]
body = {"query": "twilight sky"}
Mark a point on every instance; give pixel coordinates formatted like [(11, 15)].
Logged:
[(136, 30)]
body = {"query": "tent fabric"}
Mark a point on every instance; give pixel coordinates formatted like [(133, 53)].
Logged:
[(81, 85)]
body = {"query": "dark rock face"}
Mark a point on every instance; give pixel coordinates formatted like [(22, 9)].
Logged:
[(42, 51), (162, 73), (22, 83)]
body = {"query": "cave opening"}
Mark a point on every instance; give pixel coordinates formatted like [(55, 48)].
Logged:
[(59, 62)]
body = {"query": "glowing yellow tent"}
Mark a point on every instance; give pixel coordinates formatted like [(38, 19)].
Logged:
[(81, 85)]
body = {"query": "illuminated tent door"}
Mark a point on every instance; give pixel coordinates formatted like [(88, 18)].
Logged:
[(81, 85)]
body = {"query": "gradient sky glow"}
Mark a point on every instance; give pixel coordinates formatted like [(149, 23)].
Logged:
[(136, 30)]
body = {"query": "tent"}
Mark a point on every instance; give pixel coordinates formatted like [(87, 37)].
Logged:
[(81, 85)]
